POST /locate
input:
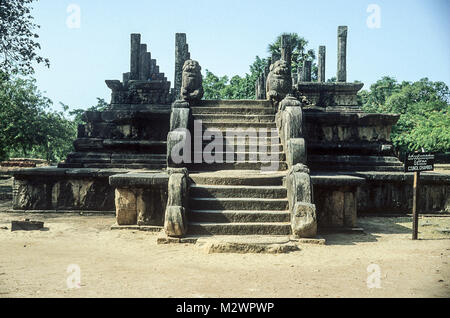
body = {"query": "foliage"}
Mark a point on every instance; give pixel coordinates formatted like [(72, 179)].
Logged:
[(18, 39), (244, 87), (300, 53), (27, 125), (424, 112), (235, 88), (78, 113)]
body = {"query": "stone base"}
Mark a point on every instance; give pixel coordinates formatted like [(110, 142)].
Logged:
[(340, 197), (392, 192), (336, 199), (140, 198), (58, 189)]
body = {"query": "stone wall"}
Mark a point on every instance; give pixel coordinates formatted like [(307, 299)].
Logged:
[(63, 189), (392, 193)]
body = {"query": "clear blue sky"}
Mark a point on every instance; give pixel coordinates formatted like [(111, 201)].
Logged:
[(225, 36)]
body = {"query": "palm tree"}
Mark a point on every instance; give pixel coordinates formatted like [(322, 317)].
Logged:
[(300, 52)]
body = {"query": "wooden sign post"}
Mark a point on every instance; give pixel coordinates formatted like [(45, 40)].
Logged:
[(417, 162)]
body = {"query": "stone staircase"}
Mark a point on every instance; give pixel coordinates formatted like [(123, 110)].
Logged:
[(240, 116), (242, 200)]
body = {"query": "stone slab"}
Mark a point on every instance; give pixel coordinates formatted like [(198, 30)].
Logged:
[(139, 180), (26, 225), (144, 228), (247, 244)]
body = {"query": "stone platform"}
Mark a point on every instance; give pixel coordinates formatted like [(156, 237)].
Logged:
[(240, 244)]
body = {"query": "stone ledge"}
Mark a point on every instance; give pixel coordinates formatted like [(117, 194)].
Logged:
[(59, 212), (360, 119), (425, 177), (331, 179), (144, 228), (139, 180), (62, 172)]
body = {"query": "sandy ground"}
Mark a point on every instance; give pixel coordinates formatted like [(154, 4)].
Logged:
[(131, 264)]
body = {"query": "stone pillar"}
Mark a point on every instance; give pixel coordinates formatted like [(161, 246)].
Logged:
[(135, 56), (299, 74), (267, 68), (125, 78), (306, 71), (144, 63), (342, 54), (261, 87), (286, 51), (181, 56), (321, 66)]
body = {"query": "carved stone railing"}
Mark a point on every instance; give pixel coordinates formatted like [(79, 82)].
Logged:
[(175, 223), (289, 120), (303, 212)]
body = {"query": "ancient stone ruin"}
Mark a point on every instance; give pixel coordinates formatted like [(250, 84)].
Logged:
[(300, 159)]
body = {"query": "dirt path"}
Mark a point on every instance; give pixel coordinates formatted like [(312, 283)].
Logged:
[(131, 264)]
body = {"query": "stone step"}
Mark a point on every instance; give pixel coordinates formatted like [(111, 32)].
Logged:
[(355, 160), (226, 216), (237, 178), (236, 103), (124, 166), (223, 125), (139, 158), (239, 165), (247, 156), (247, 142), (235, 118), (353, 167), (233, 110), (141, 145), (238, 204), (223, 191), (119, 145), (275, 228)]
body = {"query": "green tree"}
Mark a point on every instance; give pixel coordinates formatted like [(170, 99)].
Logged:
[(424, 112), (18, 38), (78, 113), (28, 126)]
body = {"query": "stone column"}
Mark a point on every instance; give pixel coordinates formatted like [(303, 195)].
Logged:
[(267, 68), (181, 55), (135, 56), (342, 54), (306, 72), (321, 66), (144, 63), (286, 52)]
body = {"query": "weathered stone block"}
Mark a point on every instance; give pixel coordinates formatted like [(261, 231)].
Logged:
[(303, 220), (126, 207), (175, 224), (26, 225)]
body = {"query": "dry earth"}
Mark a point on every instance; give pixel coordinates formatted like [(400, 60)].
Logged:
[(131, 264)]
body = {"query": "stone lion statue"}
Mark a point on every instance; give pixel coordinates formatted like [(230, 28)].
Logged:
[(191, 83), (279, 81)]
